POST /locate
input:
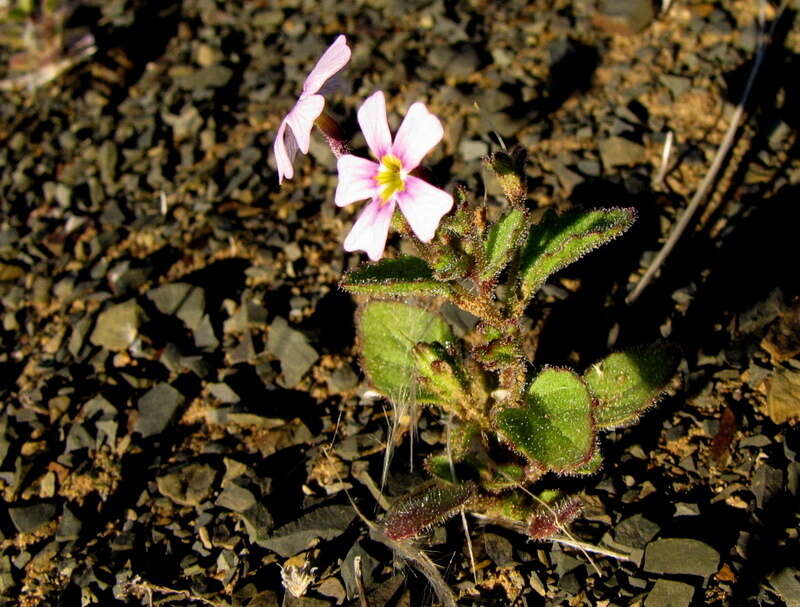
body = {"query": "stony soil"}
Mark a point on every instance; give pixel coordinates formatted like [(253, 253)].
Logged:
[(182, 411)]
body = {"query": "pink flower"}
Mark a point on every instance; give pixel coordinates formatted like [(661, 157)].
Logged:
[(300, 119), (388, 182)]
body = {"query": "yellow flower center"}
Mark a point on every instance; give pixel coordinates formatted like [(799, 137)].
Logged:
[(391, 177)]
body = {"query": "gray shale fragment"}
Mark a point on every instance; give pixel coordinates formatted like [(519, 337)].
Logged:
[(786, 583), (258, 522), (325, 523), (188, 485), (180, 299), (236, 498), (667, 593), (157, 408), (28, 519), (635, 531), (69, 528), (118, 325), (292, 349), (619, 151), (625, 16), (681, 556)]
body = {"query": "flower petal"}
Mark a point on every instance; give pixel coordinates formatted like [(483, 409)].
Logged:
[(417, 135), (301, 119), (332, 60), (423, 206), (371, 229), (356, 180), (372, 119), (284, 156)]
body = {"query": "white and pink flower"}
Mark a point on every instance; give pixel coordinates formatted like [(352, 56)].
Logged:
[(388, 182), (295, 130)]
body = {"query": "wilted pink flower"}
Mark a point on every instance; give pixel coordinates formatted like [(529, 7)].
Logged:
[(300, 119), (388, 182)]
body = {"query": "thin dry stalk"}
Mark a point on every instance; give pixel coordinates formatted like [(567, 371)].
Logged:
[(415, 557), (142, 589), (658, 182), (716, 165), (583, 546), (362, 594), (463, 514)]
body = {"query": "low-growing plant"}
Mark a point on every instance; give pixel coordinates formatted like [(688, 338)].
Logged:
[(509, 422)]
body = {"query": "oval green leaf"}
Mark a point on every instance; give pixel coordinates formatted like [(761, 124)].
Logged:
[(624, 384), (554, 428), (388, 332)]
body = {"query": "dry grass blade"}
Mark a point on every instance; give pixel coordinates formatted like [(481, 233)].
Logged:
[(716, 165), (362, 594), (418, 559), (584, 547), (665, 154), (463, 514)]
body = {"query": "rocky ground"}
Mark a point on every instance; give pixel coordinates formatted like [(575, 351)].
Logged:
[(182, 412)]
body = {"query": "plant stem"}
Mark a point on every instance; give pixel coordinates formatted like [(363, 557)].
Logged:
[(482, 307), (333, 134)]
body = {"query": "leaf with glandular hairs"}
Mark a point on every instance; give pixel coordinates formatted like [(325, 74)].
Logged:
[(403, 276), (551, 519), (498, 353), (432, 504), (559, 240), (388, 332), (554, 427), (626, 383), (441, 375), (502, 241)]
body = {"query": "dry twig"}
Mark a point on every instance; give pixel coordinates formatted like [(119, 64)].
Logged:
[(716, 165)]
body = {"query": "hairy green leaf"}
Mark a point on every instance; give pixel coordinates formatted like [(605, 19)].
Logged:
[(626, 383), (502, 477), (427, 506), (502, 240), (559, 240), (388, 331), (592, 466), (550, 520), (514, 507), (498, 354), (554, 427), (441, 374), (394, 277)]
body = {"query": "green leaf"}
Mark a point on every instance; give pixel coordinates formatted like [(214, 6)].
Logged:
[(514, 507), (498, 354), (439, 466), (554, 427), (396, 277), (504, 476), (592, 466), (502, 240), (626, 383), (440, 373), (461, 438), (431, 504), (549, 521), (559, 240), (388, 332)]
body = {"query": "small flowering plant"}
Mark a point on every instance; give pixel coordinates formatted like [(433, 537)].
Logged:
[(510, 423)]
